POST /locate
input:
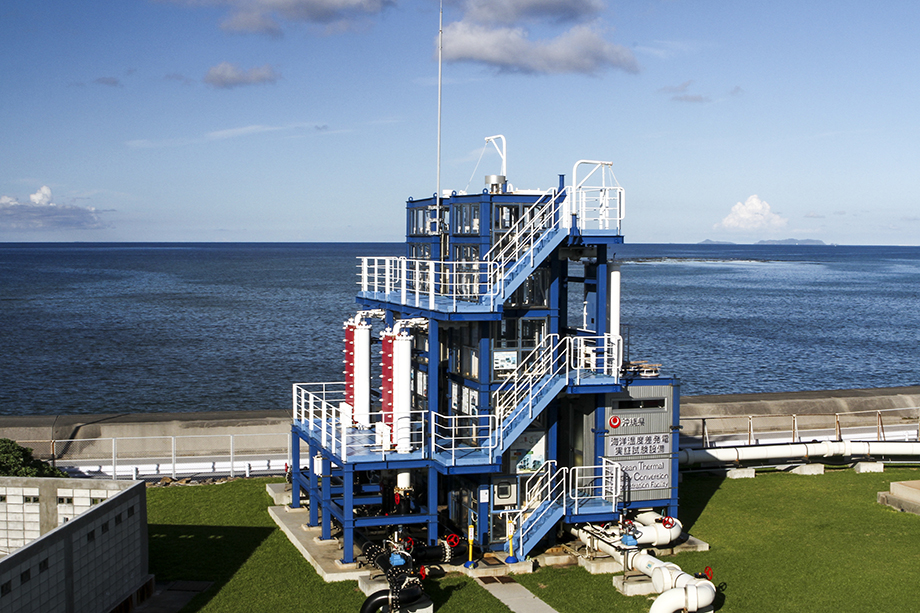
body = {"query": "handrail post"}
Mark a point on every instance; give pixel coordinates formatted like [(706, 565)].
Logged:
[(837, 430), (232, 458), (174, 471), (114, 458), (750, 429), (795, 429)]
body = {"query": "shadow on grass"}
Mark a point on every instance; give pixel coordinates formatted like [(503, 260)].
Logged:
[(695, 492), (202, 553)]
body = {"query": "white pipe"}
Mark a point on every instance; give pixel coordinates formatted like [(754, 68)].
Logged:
[(653, 532), (679, 590), (362, 374), (613, 300), (824, 449), (403, 480), (402, 393)]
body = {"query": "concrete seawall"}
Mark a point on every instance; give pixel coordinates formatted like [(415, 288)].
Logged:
[(726, 413)]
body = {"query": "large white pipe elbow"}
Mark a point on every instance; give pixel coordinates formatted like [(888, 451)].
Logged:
[(691, 597), (656, 530)]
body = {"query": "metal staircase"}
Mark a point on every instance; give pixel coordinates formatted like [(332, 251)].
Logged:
[(544, 506), (553, 493), (527, 244)]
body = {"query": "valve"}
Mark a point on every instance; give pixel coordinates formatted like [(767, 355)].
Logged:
[(706, 574), (668, 522)]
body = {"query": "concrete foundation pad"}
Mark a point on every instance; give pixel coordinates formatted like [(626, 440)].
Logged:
[(600, 566), (740, 473), (899, 504), (808, 469), (324, 556), (280, 493), (372, 583), (556, 559), (492, 566), (634, 586), (906, 490), (869, 467)]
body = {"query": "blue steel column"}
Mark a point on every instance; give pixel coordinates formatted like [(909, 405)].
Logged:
[(432, 505), (348, 525), (326, 532), (295, 467), (314, 486)]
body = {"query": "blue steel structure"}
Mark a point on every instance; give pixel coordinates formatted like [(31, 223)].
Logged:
[(514, 408)]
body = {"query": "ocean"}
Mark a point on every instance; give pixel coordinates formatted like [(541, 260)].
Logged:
[(119, 328)]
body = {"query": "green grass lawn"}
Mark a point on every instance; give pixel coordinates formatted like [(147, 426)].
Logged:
[(780, 542)]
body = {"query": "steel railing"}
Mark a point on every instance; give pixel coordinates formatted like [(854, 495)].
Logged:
[(320, 410), (145, 457), (462, 434), (421, 283), (753, 429)]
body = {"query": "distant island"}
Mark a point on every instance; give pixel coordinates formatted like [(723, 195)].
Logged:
[(785, 241), (792, 241)]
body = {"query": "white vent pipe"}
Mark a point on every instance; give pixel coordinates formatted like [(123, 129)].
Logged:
[(824, 449), (362, 375), (402, 393)]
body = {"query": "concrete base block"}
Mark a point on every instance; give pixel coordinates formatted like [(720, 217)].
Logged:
[(906, 490), (740, 473), (491, 566), (905, 506), (869, 467), (634, 586), (556, 559), (808, 469), (370, 584), (280, 493), (601, 566)]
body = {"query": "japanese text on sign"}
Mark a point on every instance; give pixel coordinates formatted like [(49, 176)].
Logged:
[(638, 444)]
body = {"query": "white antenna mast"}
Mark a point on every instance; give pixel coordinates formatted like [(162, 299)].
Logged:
[(440, 48)]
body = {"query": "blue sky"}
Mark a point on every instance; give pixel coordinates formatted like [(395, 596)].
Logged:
[(313, 120)]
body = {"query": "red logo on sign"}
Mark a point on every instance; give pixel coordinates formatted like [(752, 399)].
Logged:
[(614, 422)]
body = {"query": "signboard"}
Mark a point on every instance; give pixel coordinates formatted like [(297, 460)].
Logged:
[(504, 360), (619, 446), (652, 474)]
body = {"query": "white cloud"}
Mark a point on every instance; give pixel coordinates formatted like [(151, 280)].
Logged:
[(42, 197), (753, 214), (509, 12), (265, 16), (226, 75), (579, 50), (252, 22), (44, 214)]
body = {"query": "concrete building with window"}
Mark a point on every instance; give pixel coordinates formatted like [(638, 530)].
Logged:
[(72, 545)]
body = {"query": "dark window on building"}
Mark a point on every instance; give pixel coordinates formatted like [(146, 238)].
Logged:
[(43, 565), (131, 511), (6, 588), (90, 536), (118, 519), (65, 500), (651, 403), (25, 576), (105, 527), (2, 498), (96, 500), (30, 499)]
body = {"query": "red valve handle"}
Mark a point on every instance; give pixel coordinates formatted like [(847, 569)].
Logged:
[(453, 540), (423, 572), (708, 572), (409, 544), (668, 522)]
